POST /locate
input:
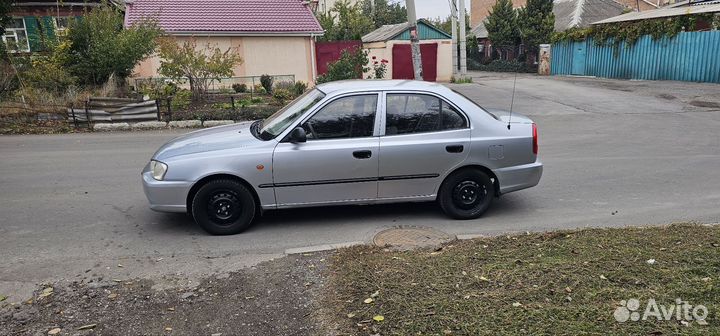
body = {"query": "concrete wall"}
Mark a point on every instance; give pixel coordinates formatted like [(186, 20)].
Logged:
[(261, 55), (383, 50)]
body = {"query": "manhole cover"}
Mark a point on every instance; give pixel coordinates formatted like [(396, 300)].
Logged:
[(405, 238)]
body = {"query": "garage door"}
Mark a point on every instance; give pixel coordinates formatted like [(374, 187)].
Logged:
[(402, 67)]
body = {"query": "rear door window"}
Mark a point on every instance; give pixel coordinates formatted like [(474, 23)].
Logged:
[(420, 113)]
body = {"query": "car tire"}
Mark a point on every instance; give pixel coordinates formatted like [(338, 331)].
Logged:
[(466, 194), (223, 207)]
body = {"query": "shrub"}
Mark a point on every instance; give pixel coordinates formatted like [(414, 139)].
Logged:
[(8, 79), (351, 65), (48, 76), (281, 96), (299, 88), (181, 100), (505, 66), (460, 80), (256, 100), (379, 68), (239, 88), (259, 89), (267, 83), (198, 66)]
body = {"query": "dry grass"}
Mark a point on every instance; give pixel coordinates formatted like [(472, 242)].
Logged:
[(567, 282)]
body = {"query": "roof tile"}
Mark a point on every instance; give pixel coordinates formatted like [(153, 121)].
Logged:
[(232, 16)]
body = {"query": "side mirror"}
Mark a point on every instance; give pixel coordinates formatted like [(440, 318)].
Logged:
[(298, 135)]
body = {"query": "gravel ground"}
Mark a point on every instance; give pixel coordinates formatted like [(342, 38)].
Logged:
[(273, 298)]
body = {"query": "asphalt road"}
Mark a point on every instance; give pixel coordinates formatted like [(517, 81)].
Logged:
[(615, 153)]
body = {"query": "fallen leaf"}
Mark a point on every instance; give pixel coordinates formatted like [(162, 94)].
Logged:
[(603, 277), (376, 294), (379, 318), (368, 300), (88, 326), (120, 265), (517, 304), (484, 278), (54, 331), (568, 298), (568, 289), (168, 329), (650, 261), (171, 309), (46, 292), (3, 298), (112, 296), (706, 279), (351, 315)]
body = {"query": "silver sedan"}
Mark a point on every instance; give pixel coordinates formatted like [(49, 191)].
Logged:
[(348, 142)]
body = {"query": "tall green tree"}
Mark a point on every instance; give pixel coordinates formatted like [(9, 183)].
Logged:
[(502, 26), (97, 46), (384, 12), (446, 23), (536, 22), (5, 19), (345, 22)]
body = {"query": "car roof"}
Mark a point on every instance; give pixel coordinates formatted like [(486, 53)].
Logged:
[(380, 85)]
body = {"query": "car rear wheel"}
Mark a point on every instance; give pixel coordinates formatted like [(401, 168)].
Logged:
[(466, 194), (223, 207)]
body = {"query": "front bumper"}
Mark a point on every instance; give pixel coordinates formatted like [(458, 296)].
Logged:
[(519, 177), (165, 196)]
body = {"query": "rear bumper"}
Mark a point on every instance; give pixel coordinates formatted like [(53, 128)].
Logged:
[(165, 196), (519, 177)]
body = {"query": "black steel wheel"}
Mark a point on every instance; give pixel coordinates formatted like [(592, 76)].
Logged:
[(223, 207), (466, 194)]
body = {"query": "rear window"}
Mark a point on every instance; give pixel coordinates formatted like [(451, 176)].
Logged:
[(476, 104)]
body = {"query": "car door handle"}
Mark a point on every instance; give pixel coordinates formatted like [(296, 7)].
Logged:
[(362, 154), (454, 148)]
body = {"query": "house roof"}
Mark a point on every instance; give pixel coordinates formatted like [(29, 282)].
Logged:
[(663, 12), (582, 13), (480, 31), (226, 17), (397, 32)]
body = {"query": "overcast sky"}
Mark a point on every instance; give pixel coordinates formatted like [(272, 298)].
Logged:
[(435, 8)]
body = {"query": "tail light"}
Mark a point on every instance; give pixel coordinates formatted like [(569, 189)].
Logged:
[(535, 139)]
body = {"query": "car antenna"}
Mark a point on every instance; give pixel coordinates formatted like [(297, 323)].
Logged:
[(512, 100)]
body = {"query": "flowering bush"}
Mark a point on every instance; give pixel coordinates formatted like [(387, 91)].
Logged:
[(379, 68)]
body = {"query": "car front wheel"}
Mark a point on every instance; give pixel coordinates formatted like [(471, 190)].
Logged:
[(223, 207), (466, 194)]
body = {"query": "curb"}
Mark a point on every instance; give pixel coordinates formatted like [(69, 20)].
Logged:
[(159, 125), (319, 248)]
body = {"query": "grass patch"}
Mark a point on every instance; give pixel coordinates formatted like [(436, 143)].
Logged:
[(566, 282)]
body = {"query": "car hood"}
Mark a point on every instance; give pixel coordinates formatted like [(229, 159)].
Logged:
[(504, 116), (207, 140)]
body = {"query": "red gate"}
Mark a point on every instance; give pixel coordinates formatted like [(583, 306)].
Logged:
[(402, 67), (329, 52)]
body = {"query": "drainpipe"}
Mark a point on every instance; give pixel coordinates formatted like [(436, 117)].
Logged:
[(312, 55)]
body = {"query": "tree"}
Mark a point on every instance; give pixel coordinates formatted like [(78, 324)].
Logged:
[(446, 23), (200, 66), (502, 26), (536, 22), (97, 46), (345, 22), (5, 19), (384, 13)]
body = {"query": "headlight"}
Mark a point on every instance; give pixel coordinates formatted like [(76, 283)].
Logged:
[(158, 169)]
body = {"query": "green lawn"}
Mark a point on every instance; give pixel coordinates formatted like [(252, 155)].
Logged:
[(567, 282)]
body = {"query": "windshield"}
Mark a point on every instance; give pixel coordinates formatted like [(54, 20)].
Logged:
[(281, 120)]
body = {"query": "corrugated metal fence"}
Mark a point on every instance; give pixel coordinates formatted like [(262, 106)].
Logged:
[(114, 109), (690, 56)]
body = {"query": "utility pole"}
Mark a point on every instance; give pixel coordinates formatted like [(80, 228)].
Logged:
[(414, 39), (463, 39), (453, 19)]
